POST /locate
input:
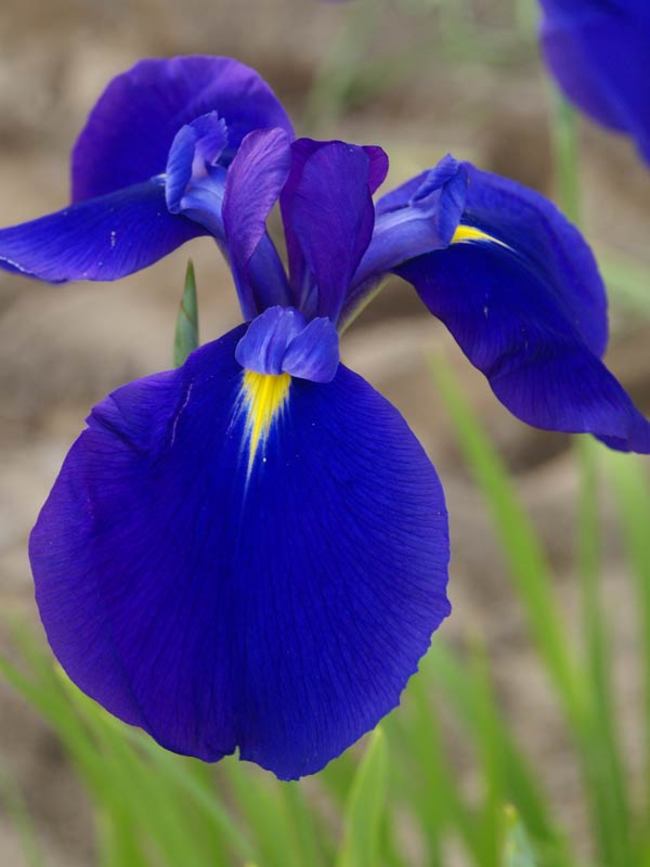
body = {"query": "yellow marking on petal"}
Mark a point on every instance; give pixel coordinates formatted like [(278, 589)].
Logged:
[(465, 234), (265, 395)]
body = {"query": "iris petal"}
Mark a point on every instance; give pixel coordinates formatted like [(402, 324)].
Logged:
[(130, 130), (98, 239), (328, 216), (416, 218), (513, 327), (548, 246), (255, 178), (598, 52), (281, 611)]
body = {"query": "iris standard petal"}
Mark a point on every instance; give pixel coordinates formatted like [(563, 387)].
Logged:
[(99, 239), (130, 130), (598, 52), (279, 604), (512, 326), (328, 216), (255, 179)]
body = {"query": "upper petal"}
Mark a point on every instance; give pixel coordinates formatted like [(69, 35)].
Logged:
[(279, 608), (131, 128), (598, 53), (255, 179), (98, 239), (328, 216)]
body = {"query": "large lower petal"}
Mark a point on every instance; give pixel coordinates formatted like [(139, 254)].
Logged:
[(598, 53), (513, 328), (99, 239), (131, 128), (228, 560)]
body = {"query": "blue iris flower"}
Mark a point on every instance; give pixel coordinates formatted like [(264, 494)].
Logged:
[(598, 51), (251, 551)]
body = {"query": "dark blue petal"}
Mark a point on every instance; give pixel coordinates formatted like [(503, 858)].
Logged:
[(328, 216), (513, 326), (547, 243), (418, 217), (131, 128), (255, 178), (280, 609), (99, 239), (598, 52)]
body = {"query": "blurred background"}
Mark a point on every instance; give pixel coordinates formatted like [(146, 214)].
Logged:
[(421, 78)]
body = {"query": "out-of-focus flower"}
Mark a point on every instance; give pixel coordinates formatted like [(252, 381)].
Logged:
[(251, 551), (599, 53)]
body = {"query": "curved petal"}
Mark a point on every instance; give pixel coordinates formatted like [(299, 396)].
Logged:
[(99, 239), (255, 179), (280, 340), (281, 608), (130, 130), (598, 53), (547, 245), (196, 150), (418, 217), (512, 327), (328, 217)]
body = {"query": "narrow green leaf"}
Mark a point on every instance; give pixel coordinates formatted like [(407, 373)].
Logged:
[(518, 851), (472, 704), (601, 749), (528, 567), (187, 321), (365, 808), (632, 485)]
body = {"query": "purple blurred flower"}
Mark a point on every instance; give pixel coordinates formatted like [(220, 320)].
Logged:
[(251, 551), (599, 53)]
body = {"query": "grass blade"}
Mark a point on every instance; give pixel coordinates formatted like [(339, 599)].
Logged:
[(365, 809)]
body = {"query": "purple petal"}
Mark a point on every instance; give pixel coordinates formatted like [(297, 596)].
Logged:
[(253, 185), (131, 128), (99, 239), (328, 215), (281, 610)]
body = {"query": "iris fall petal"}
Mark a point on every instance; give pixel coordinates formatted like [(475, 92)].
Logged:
[(98, 239), (277, 605)]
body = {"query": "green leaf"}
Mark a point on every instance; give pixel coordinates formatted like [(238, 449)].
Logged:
[(187, 322), (529, 569), (365, 807), (518, 851)]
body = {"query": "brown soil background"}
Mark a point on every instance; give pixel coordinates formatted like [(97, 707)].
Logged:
[(63, 348)]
